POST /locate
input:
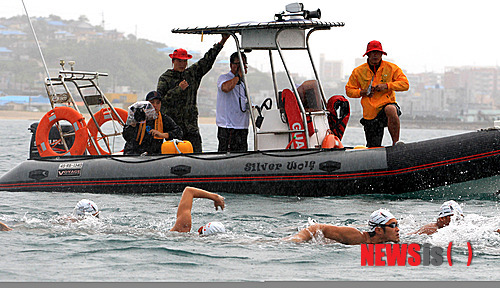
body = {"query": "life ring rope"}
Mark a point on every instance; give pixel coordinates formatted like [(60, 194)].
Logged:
[(45, 148)]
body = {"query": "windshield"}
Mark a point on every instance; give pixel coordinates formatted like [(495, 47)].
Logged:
[(301, 72)]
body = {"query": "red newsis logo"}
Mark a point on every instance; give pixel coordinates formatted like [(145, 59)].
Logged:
[(400, 254)]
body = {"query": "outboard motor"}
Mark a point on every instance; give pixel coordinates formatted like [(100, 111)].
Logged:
[(53, 137)]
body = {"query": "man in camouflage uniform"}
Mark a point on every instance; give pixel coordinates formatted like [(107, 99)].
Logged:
[(179, 87)]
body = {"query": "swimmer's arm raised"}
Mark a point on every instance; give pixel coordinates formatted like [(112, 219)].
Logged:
[(183, 222)]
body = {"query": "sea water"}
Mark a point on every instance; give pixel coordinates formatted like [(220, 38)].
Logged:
[(131, 241)]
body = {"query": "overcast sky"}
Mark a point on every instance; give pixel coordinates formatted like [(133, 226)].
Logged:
[(419, 36)]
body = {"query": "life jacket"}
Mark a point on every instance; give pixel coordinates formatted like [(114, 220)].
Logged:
[(338, 121)]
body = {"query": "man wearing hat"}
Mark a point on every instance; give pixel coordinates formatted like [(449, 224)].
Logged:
[(375, 82), (383, 227), (149, 135), (178, 88)]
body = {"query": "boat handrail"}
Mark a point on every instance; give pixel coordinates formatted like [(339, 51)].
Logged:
[(82, 73), (316, 74), (280, 131), (320, 112), (82, 80), (294, 86)]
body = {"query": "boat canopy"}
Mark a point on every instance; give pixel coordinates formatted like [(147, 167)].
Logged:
[(272, 25)]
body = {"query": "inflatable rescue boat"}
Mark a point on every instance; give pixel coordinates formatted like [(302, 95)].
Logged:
[(297, 149)]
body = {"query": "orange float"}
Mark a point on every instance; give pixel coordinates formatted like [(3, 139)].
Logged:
[(331, 141), (175, 146), (45, 148)]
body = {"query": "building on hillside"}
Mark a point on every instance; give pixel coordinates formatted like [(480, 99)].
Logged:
[(25, 103), (12, 35), (6, 54)]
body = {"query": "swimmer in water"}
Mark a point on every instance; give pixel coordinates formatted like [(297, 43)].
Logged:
[(4, 227), (383, 228), (183, 222), (85, 208), (446, 211)]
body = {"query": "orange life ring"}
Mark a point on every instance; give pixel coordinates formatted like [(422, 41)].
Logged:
[(104, 115), (49, 119), (332, 141)]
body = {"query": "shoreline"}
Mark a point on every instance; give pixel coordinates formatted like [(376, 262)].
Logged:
[(36, 116), (405, 124)]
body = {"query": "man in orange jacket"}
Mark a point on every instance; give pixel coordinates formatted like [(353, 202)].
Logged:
[(375, 82)]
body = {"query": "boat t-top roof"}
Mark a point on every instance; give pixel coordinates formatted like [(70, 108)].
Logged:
[(286, 33), (239, 27)]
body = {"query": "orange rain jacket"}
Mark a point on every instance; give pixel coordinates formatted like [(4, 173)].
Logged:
[(387, 73)]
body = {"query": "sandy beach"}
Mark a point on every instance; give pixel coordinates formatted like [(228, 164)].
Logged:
[(36, 116), (21, 115)]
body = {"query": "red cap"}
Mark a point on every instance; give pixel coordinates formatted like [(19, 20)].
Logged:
[(180, 54), (374, 46)]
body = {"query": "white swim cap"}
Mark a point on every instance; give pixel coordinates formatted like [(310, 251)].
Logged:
[(378, 217), (212, 228), (84, 207), (450, 208)]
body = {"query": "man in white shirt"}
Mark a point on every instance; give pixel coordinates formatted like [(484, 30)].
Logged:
[(232, 115)]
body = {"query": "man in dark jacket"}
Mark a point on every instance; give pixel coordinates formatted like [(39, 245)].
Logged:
[(148, 137), (179, 87)]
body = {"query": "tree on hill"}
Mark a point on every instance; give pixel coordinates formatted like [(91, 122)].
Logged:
[(129, 63)]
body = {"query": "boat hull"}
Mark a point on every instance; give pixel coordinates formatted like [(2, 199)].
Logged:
[(332, 172)]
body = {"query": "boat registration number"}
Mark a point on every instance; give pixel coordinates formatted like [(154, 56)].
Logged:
[(69, 169)]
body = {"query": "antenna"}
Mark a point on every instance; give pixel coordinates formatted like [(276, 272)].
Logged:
[(102, 23), (39, 48)]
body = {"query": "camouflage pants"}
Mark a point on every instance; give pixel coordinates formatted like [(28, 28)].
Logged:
[(195, 139)]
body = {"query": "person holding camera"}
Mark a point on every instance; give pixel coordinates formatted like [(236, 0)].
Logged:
[(178, 88), (232, 113), (148, 136)]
